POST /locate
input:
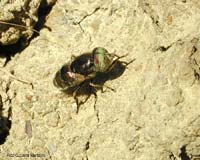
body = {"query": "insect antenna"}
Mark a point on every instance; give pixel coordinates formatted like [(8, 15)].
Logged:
[(127, 63)]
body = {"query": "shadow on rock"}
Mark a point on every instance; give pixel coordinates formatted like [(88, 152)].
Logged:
[(116, 71), (5, 124), (183, 155), (9, 51)]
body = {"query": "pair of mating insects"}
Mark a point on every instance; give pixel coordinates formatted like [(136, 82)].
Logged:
[(85, 70)]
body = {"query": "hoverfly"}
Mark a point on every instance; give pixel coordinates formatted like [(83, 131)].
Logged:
[(84, 69)]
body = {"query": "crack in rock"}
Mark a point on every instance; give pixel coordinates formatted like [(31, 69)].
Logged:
[(82, 19), (87, 15)]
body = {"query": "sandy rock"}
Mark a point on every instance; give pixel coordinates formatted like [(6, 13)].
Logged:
[(52, 119), (154, 113), (19, 12), (48, 3)]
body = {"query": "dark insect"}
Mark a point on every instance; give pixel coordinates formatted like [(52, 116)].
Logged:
[(83, 64), (65, 78), (89, 71)]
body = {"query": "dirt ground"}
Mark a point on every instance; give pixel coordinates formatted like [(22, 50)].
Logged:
[(154, 113)]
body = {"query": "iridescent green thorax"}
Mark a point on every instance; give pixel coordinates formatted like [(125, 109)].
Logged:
[(102, 59)]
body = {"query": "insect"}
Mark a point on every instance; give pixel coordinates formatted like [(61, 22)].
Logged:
[(70, 82), (83, 64), (103, 60), (85, 69), (65, 78)]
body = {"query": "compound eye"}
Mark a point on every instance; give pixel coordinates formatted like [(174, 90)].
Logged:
[(64, 70), (100, 50), (94, 50), (96, 59)]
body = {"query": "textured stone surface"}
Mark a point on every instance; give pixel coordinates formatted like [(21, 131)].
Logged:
[(19, 12), (154, 114)]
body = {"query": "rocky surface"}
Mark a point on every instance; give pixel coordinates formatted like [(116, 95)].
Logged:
[(18, 18), (20, 13), (154, 113)]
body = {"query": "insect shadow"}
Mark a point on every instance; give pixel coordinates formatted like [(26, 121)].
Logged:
[(91, 86)]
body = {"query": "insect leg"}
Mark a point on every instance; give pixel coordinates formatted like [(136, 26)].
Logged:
[(127, 63), (93, 91), (119, 57), (75, 95), (101, 86)]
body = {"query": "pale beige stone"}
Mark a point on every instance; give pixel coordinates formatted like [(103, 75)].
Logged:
[(154, 113)]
